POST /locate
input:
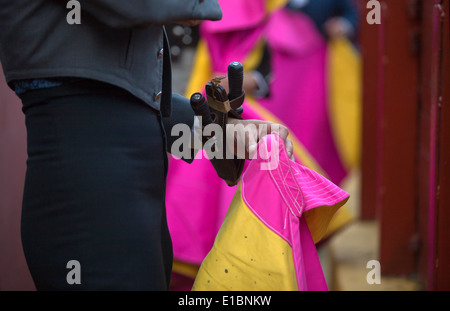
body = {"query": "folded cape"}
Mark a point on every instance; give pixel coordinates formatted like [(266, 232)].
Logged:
[(267, 240)]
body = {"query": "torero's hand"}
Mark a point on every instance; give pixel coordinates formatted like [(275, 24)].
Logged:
[(244, 135)]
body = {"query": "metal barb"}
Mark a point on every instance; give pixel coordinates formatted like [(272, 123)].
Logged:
[(216, 81)]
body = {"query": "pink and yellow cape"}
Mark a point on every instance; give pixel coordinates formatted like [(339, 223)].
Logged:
[(265, 242)]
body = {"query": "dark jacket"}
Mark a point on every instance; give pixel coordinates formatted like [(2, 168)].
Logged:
[(119, 42)]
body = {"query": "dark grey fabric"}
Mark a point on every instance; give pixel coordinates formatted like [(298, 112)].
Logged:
[(118, 42), (94, 190)]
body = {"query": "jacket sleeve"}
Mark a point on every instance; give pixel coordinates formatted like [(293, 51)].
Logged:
[(182, 114), (136, 13)]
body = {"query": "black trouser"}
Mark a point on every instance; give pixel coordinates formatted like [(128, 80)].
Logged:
[(94, 190)]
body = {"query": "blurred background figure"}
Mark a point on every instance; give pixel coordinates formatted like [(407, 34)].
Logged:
[(339, 60), (284, 56), (315, 80)]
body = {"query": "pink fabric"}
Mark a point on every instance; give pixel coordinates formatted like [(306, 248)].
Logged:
[(280, 195), (197, 201), (237, 15), (228, 47)]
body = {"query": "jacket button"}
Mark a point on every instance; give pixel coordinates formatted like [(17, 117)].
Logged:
[(160, 53), (157, 96)]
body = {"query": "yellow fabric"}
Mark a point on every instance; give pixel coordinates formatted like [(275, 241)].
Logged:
[(343, 217), (345, 111), (325, 220), (254, 58), (264, 262), (201, 70), (272, 5)]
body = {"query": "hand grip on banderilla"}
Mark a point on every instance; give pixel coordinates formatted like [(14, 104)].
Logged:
[(218, 107)]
